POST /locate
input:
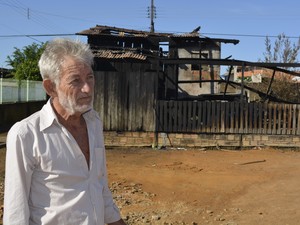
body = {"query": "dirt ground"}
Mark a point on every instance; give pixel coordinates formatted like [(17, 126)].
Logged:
[(198, 186), (207, 186)]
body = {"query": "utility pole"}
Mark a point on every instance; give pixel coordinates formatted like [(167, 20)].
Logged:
[(152, 16)]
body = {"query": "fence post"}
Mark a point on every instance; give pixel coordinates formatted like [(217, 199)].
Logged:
[(242, 110), (19, 90), (27, 90), (1, 90)]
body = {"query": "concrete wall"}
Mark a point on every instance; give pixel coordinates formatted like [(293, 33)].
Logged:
[(11, 113), (144, 139), (12, 91), (185, 71)]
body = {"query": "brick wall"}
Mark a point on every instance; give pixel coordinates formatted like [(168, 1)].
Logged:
[(141, 139)]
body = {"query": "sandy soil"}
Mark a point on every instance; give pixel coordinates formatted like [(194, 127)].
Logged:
[(207, 187), (190, 186)]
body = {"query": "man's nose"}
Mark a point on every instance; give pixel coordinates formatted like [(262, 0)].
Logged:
[(86, 87)]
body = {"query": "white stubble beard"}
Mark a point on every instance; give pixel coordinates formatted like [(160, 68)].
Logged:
[(70, 105)]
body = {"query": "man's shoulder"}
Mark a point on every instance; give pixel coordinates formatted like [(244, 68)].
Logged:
[(27, 124)]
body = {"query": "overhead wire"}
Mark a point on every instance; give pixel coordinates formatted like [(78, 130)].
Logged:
[(37, 17), (202, 34), (34, 35), (31, 15), (249, 35), (17, 9)]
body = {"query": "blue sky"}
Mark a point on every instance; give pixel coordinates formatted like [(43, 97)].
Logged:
[(248, 21)]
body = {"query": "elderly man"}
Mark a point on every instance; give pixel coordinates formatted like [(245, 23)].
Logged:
[(55, 163)]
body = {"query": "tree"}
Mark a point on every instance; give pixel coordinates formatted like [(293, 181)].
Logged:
[(24, 62), (284, 51)]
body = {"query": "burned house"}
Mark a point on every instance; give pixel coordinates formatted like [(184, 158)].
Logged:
[(131, 75)]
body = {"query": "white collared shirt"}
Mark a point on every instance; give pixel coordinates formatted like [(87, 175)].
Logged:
[(48, 180)]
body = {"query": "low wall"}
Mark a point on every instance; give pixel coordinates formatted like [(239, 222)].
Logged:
[(144, 139), (11, 113)]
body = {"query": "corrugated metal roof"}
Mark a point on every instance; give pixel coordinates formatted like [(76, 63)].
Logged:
[(118, 54)]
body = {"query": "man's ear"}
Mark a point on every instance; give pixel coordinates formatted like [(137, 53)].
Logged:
[(49, 87)]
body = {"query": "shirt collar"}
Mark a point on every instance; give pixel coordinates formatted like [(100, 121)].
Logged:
[(48, 116)]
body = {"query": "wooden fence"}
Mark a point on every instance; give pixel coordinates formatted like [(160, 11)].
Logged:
[(125, 100), (227, 117)]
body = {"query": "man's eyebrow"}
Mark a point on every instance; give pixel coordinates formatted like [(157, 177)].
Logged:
[(72, 76)]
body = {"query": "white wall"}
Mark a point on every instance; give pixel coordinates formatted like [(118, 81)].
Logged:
[(21, 91)]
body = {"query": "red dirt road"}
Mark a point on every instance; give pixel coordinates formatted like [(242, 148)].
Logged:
[(207, 187), (171, 186)]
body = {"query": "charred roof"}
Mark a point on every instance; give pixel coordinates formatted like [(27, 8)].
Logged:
[(100, 30)]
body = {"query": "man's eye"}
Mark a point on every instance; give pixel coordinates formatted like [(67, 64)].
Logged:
[(75, 81)]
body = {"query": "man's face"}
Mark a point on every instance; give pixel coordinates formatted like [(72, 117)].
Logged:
[(76, 87)]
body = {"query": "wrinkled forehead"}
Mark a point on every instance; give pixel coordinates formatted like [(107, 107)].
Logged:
[(71, 64)]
